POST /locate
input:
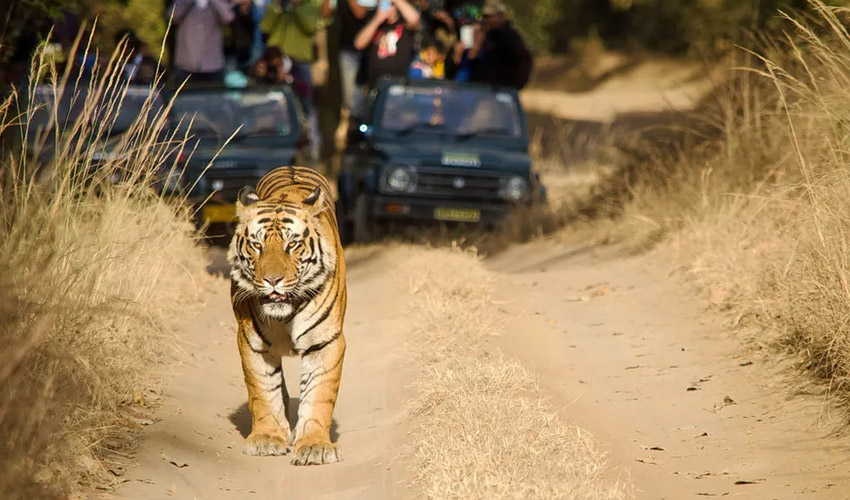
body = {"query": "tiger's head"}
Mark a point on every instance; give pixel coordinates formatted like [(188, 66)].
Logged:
[(278, 255)]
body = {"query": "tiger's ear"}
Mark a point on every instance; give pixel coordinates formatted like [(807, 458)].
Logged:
[(313, 197), (246, 197)]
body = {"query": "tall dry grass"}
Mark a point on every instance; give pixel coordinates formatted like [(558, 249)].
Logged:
[(483, 428), (759, 210), (94, 263)]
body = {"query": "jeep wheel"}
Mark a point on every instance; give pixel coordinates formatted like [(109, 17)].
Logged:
[(345, 225), (364, 229)]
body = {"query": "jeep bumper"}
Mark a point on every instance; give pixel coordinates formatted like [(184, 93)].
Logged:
[(393, 208)]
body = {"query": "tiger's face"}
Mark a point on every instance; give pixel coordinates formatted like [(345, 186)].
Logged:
[(277, 255)]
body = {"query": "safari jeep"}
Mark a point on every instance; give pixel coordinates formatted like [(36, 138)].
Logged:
[(435, 151), (267, 131)]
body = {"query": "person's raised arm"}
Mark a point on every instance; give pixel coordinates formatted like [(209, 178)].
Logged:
[(271, 18), (364, 37), (179, 9), (358, 10), (306, 14), (224, 11), (444, 18), (408, 12)]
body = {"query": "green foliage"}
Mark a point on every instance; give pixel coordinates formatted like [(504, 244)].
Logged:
[(147, 19), (680, 25), (29, 21), (536, 21), (20, 18), (669, 26)]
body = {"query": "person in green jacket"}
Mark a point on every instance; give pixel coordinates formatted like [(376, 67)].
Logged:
[(291, 27)]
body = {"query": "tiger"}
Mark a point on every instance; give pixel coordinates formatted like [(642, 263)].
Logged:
[(289, 296)]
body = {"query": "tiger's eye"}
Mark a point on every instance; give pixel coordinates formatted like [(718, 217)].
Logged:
[(257, 245), (291, 246)]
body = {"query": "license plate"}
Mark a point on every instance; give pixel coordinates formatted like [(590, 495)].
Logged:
[(220, 213), (458, 214)]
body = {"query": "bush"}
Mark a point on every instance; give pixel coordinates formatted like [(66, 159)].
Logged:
[(89, 271), (761, 213)]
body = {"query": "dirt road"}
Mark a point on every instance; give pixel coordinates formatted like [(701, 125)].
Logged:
[(193, 450), (680, 406), (650, 87), (678, 402)]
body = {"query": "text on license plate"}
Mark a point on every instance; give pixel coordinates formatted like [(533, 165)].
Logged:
[(220, 213), (457, 214)]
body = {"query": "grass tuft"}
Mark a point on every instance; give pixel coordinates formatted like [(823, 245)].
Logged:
[(483, 428), (755, 199), (93, 262)]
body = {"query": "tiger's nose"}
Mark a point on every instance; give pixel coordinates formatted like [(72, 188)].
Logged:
[(273, 281)]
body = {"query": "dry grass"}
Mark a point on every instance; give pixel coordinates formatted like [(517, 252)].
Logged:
[(484, 430), (90, 274), (759, 211)]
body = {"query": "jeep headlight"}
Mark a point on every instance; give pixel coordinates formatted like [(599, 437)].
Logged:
[(400, 180), (515, 188)]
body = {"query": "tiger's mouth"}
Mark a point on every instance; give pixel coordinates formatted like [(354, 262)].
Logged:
[(275, 298)]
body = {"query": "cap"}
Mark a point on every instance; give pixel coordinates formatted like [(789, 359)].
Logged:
[(492, 7)]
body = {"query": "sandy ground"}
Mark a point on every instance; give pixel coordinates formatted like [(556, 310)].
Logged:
[(193, 448), (621, 347), (650, 87), (682, 407), (677, 401)]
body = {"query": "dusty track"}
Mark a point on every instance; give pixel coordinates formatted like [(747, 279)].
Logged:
[(683, 408), (680, 406), (667, 389), (193, 450)]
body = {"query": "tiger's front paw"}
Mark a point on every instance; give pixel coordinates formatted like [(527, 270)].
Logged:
[(316, 454), (266, 445)]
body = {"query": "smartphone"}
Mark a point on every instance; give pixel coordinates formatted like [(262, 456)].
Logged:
[(467, 36), (385, 5)]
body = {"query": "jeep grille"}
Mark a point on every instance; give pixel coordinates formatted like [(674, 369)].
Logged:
[(457, 184)]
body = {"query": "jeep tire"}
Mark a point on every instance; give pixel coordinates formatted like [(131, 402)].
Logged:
[(363, 228)]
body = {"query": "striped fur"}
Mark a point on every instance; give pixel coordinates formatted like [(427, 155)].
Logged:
[(289, 296)]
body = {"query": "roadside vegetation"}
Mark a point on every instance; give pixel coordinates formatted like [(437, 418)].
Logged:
[(754, 196), (92, 262), (661, 26), (482, 428)]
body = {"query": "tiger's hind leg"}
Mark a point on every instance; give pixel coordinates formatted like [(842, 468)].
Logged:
[(268, 399), (321, 371)]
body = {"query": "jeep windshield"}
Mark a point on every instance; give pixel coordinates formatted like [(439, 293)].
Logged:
[(219, 114), (121, 107), (460, 112)]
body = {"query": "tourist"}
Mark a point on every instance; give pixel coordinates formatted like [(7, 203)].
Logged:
[(199, 51), (243, 33), (291, 27), (351, 16), (430, 63), (388, 40), (504, 59)]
